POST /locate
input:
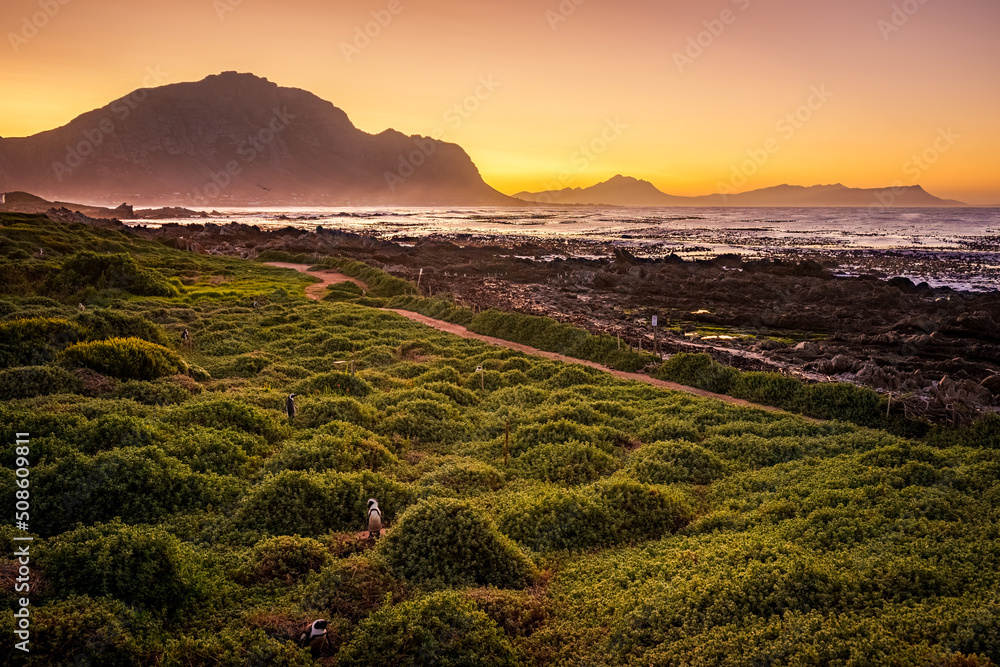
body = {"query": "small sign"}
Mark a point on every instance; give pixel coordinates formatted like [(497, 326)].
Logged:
[(654, 320)]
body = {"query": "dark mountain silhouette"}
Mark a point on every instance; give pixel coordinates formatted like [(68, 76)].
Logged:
[(236, 139), (627, 191)]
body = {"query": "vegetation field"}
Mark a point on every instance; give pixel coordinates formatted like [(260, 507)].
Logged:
[(538, 513)]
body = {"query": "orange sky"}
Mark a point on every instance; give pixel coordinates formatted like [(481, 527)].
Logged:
[(626, 78)]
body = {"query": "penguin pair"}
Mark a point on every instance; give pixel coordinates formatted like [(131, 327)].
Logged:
[(314, 637), (374, 519)]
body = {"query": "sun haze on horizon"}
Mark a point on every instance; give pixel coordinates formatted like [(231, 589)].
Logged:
[(696, 97)]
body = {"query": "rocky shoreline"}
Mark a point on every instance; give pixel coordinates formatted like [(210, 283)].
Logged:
[(937, 348)]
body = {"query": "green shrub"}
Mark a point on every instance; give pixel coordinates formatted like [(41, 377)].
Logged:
[(448, 542), (209, 450), (440, 629), (31, 381), (567, 463), (315, 412), (137, 485), (700, 371), (351, 587), (125, 358), (312, 504), (285, 558), (466, 477), (556, 519), (225, 413), (538, 332), (82, 630), (36, 341), (326, 452), (137, 564), (769, 389), (422, 419), (107, 323), (641, 511), (116, 431), (675, 461), (163, 391), (530, 436), (114, 271), (340, 384), (233, 647)]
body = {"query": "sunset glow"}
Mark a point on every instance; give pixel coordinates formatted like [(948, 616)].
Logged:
[(693, 96)]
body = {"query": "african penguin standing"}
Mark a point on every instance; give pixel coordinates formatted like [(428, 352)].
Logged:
[(314, 636), (374, 519), (290, 406)]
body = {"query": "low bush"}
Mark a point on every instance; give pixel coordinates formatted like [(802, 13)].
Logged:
[(312, 504), (285, 558), (340, 384), (465, 477), (440, 629), (315, 412), (36, 341), (325, 452), (112, 271), (568, 463), (125, 358), (107, 323), (31, 381), (675, 461), (84, 630), (448, 542), (233, 647), (227, 413), (137, 485), (700, 371), (137, 564)]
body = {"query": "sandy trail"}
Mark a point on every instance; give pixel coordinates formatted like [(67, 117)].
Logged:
[(328, 277)]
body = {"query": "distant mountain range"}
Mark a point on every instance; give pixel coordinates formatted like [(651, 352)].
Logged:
[(237, 139), (627, 191)]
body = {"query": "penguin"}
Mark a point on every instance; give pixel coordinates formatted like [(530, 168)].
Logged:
[(290, 406), (374, 519), (314, 637), (81, 307), (186, 338)]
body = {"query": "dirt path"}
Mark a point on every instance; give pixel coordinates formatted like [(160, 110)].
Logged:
[(327, 277), (317, 290)]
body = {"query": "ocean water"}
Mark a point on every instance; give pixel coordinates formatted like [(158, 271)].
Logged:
[(956, 247)]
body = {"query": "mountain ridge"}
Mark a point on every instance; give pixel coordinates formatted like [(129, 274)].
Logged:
[(237, 139), (629, 191)]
